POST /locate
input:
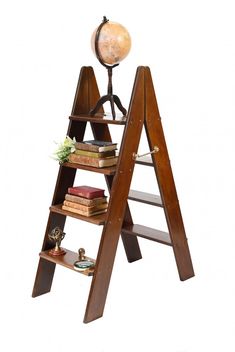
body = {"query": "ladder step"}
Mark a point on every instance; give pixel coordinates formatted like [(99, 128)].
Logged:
[(148, 233), (96, 219), (147, 198), (66, 260), (145, 160), (101, 170), (99, 118)]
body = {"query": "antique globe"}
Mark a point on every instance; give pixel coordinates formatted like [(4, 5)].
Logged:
[(111, 43)]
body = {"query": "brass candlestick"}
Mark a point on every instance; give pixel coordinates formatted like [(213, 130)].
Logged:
[(57, 235)]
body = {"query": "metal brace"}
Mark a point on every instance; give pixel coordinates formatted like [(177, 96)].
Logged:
[(155, 150)]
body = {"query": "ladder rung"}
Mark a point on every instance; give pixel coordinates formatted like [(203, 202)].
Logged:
[(147, 198), (145, 160), (148, 233), (99, 118)]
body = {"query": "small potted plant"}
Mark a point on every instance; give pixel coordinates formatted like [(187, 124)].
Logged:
[(65, 149)]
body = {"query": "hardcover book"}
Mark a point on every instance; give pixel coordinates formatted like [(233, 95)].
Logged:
[(85, 208), (95, 154), (96, 146), (81, 212), (94, 162), (86, 192), (86, 201)]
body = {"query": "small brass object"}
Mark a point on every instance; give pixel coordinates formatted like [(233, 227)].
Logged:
[(83, 263), (57, 235), (155, 150), (81, 254)]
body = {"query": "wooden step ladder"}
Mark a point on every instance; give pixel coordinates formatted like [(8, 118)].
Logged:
[(143, 112)]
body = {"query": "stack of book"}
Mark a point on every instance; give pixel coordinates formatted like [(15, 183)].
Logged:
[(85, 200), (94, 153)]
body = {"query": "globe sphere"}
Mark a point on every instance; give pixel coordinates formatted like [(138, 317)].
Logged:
[(114, 43)]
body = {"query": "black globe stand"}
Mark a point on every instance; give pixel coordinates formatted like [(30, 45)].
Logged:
[(113, 99)]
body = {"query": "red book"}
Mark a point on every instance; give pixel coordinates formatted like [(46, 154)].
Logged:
[(86, 192)]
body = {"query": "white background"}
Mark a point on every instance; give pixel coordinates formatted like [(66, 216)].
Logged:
[(190, 48)]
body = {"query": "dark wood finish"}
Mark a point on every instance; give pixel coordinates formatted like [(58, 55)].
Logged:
[(148, 233), (166, 183), (101, 132), (99, 118), (65, 179), (131, 245), (145, 160), (96, 219), (104, 170), (117, 203), (143, 110), (85, 98), (146, 198), (130, 242), (66, 260), (45, 271)]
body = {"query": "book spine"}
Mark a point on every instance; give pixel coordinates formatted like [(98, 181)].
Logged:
[(84, 207), (75, 205), (85, 201), (81, 212), (87, 153), (88, 147), (83, 160), (106, 154), (79, 200), (86, 193)]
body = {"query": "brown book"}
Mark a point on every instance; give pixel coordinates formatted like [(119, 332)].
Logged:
[(81, 212), (85, 201), (96, 146), (94, 162), (84, 207), (95, 154)]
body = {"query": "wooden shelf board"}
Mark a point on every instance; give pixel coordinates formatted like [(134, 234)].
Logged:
[(96, 219), (99, 118), (145, 160), (148, 233), (146, 198), (66, 260), (104, 170)]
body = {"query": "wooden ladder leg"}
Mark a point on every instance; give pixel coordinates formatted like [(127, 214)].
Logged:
[(166, 183), (46, 269), (130, 242), (117, 203)]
